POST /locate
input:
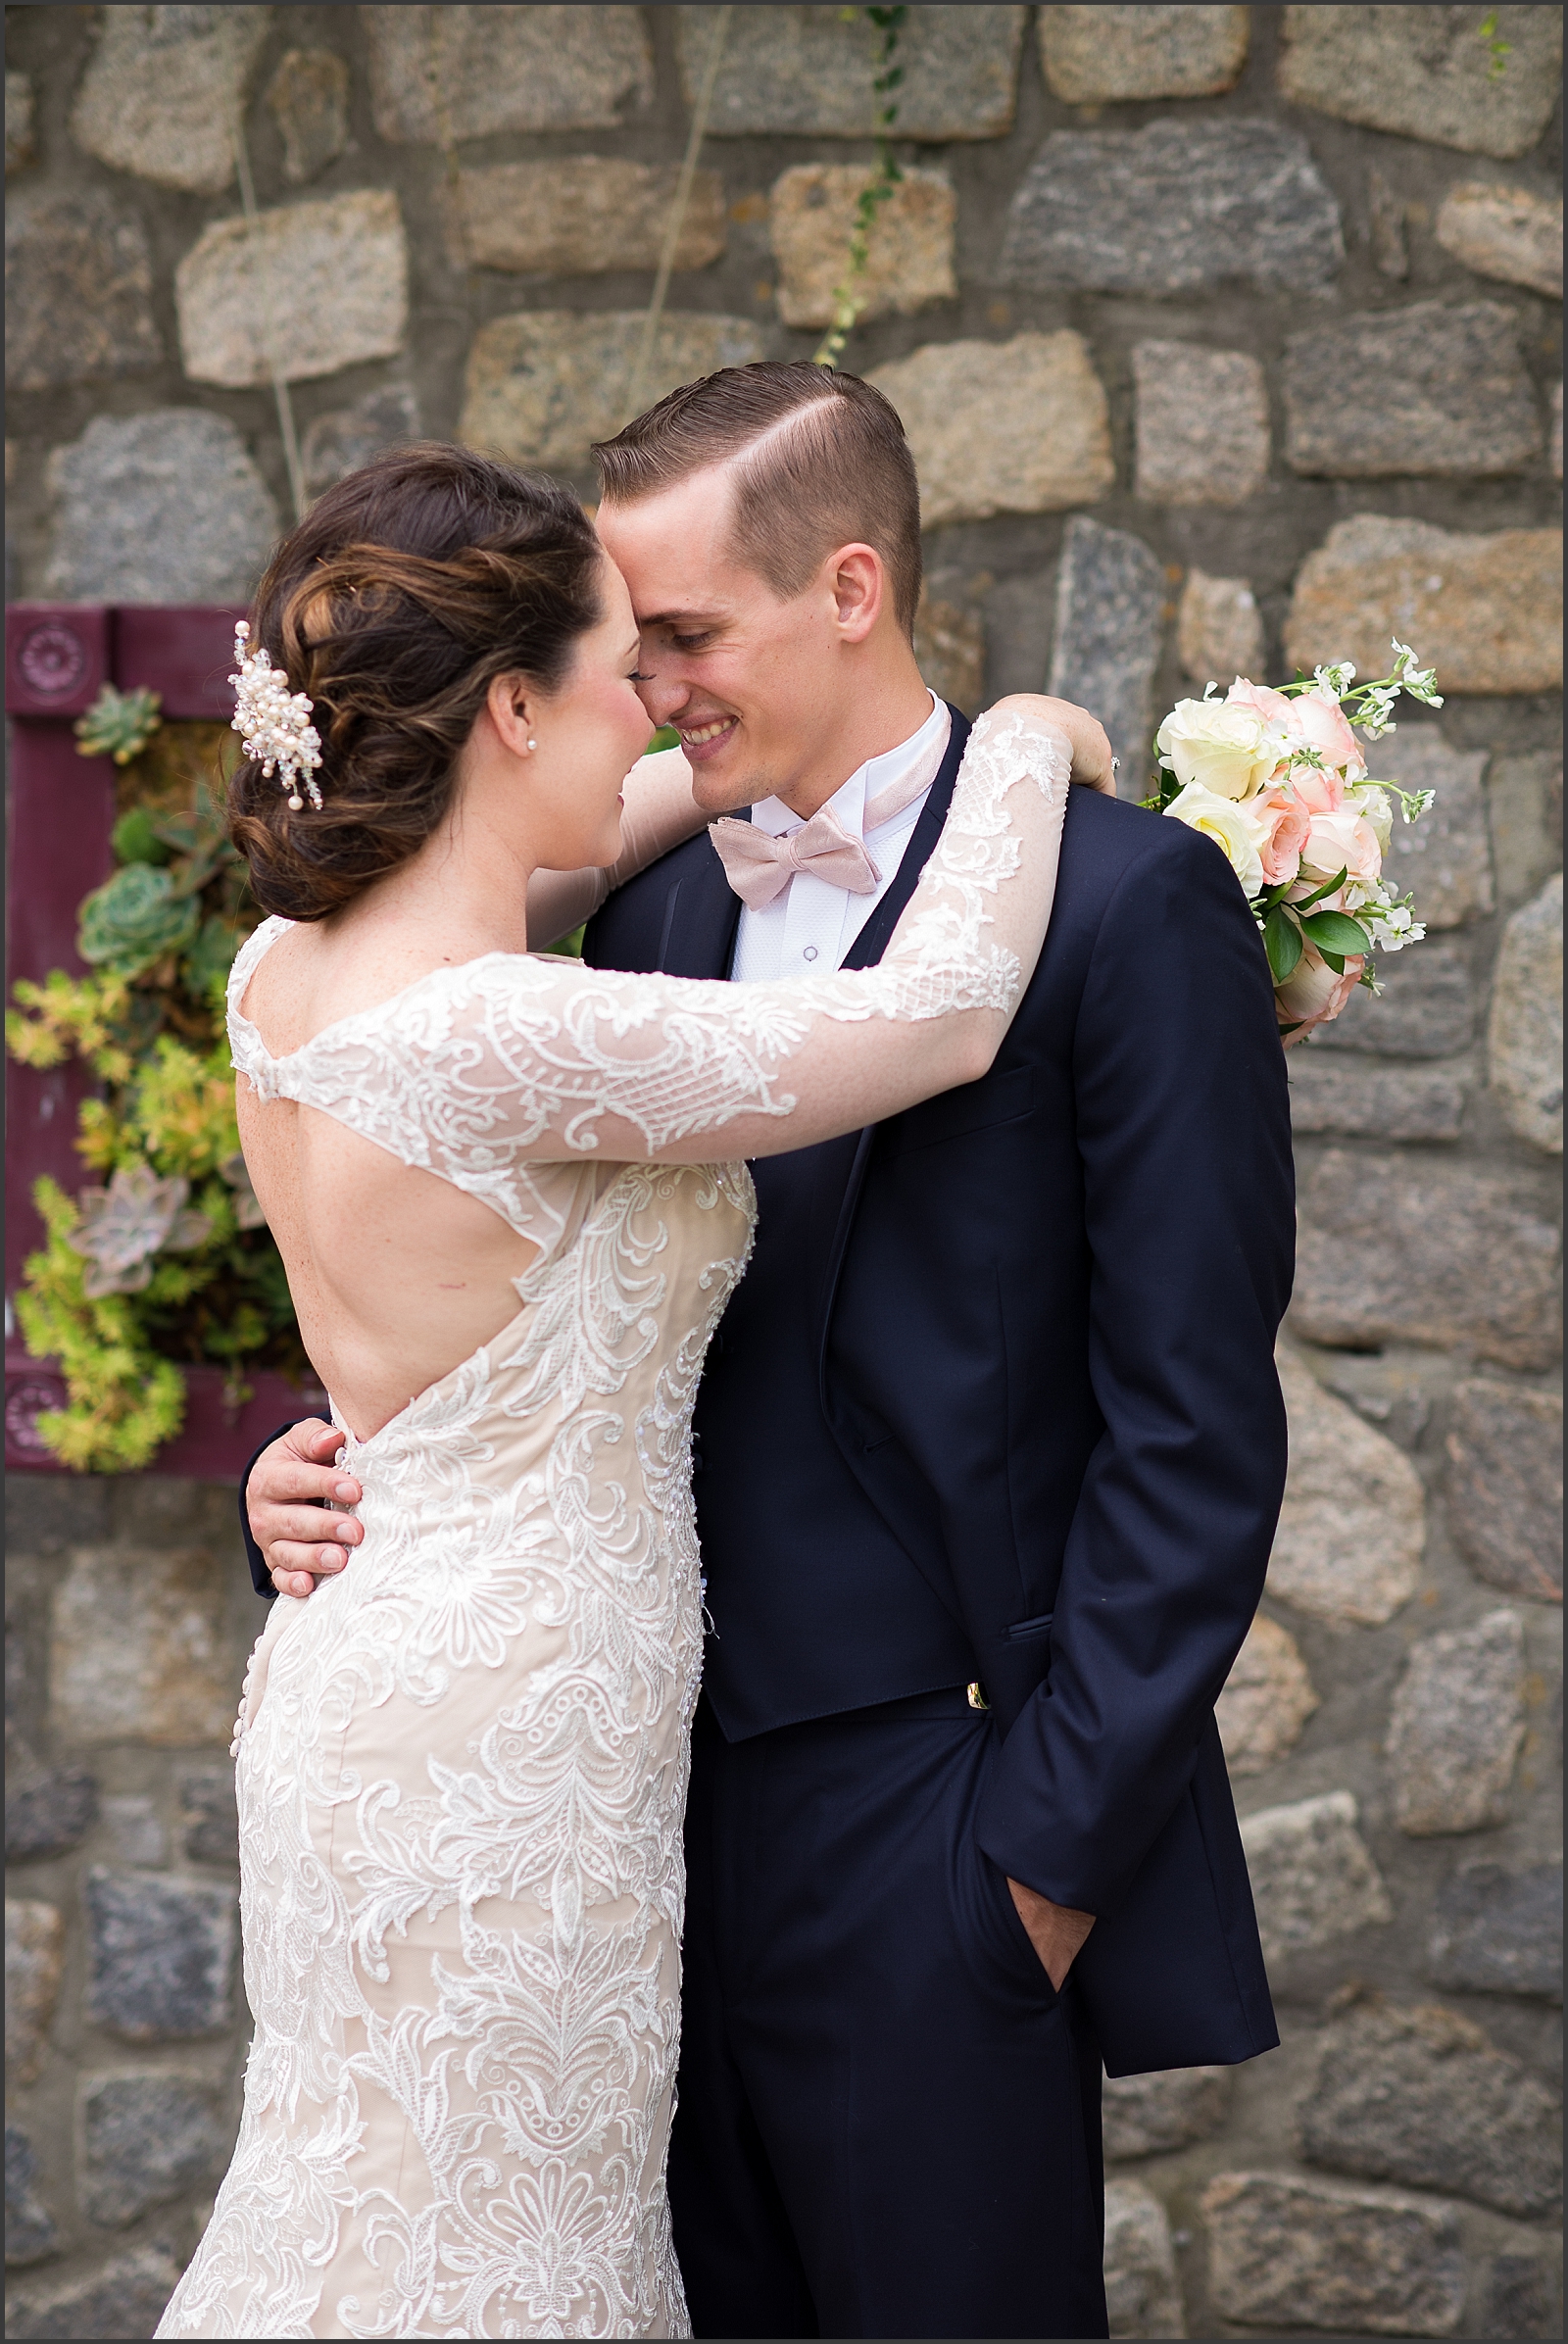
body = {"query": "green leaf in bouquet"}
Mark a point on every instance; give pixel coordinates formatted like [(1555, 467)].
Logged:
[(135, 918), (1282, 941), (1334, 932)]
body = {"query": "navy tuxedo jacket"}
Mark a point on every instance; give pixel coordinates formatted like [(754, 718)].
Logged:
[(995, 1400)]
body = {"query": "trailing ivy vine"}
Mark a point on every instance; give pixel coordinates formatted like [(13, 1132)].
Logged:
[(849, 295)]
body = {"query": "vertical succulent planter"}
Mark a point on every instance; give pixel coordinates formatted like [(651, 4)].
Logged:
[(64, 806)]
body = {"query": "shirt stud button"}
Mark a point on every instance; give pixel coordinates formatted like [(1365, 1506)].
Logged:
[(809, 952)]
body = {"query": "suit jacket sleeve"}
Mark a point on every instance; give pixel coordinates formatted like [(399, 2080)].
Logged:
[(1185, 1139)]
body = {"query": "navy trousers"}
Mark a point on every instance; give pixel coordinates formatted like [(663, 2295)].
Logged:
[(887, 2122)]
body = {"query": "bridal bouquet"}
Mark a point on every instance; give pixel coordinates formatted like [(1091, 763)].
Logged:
[(1278, 780)]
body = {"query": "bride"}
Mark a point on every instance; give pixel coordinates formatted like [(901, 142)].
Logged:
[(513, 1189)]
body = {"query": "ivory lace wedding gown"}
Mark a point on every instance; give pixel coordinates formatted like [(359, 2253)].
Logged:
[(462, 1762)]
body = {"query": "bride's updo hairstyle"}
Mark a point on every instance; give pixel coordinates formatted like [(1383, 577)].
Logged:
[(405, 591)]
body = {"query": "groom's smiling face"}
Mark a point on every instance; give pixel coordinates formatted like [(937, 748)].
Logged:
[(755, 684)]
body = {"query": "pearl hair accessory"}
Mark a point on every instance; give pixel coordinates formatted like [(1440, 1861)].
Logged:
[(274, 722)]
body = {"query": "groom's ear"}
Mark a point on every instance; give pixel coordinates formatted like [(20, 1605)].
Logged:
[(856, 579)]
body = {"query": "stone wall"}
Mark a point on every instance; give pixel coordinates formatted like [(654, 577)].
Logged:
[(1226, 337)]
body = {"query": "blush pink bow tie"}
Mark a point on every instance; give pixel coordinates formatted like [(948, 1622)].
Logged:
[(760, 866)]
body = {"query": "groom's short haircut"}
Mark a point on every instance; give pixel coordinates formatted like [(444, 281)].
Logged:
[(820, 460)]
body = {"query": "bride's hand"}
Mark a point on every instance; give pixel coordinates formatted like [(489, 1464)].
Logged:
[(1092, 760)]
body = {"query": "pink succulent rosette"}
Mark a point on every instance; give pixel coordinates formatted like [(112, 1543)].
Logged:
[(1278, 779)]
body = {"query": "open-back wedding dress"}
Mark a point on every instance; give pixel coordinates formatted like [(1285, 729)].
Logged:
[(462, 1764)]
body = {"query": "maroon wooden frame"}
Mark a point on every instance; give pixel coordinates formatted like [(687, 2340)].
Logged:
[(62, 811)]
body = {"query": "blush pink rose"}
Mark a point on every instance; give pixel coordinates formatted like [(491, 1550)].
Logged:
[(1312, 995), (1343, 840), (1321, 723), (1287, 825), (1272, 707)]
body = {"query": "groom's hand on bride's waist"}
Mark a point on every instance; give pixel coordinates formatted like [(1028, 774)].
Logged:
[(292, 1500), (1055, 1931)]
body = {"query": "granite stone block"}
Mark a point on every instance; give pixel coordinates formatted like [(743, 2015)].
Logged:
[(1455, 1726), (1496, 1931), (1504, 1484), (1149, 2115), (20, 143), (1353, 1524), (161, 1955), (211, 1819), (1427, 72), (36, 1939), (1509, 233), (1110, 612), (309, 97), (1017, 426), (1312, 1873), (146, 2138), (1442, 859), (1421, 2096), (123, 2297), (49, 1810), (441, 74), (581, 215), (162, 90), (78, 291), (1486, 611), (908, 252), (32, 2231), (543, 385), (1267, 1699), (1395, 1250), (1524, 1033), (347, 437), (1295, 2253), (1219, 631), (1347, 1098), (1426, 1009), (165, 507), (312, 288), (1106, 55), (1429, 390), (1203, 432), (807, 71), (1174, 208), (1141, 2294), (139, 1649)]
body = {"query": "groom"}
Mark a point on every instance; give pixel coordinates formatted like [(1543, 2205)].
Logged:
[(990, 1450)]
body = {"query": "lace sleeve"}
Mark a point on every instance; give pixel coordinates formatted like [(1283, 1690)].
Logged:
[(475, 1071), (659, 812)]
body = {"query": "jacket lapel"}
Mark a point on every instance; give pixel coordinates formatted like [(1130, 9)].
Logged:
[(872, 942), (701, 917), (865, 951)]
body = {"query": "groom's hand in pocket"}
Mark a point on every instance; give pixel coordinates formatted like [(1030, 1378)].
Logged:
[(1055, 1931), (293, 1500)]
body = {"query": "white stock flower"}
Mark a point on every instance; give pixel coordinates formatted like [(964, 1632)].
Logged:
[(1227, 750), (1237, 832), (1373, 803)]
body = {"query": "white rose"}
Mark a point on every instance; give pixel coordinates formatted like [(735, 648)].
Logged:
[(1239, 833), (1229, 751)]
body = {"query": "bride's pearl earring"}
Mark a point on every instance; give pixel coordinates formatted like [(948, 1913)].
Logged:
[(533, 744)]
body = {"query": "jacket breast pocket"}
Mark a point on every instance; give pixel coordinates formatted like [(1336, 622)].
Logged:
[(973, 1108), (1026, 1632)]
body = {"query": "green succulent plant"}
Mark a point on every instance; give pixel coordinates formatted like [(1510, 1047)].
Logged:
[(137, 916), (119, 724), (134, 837)]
